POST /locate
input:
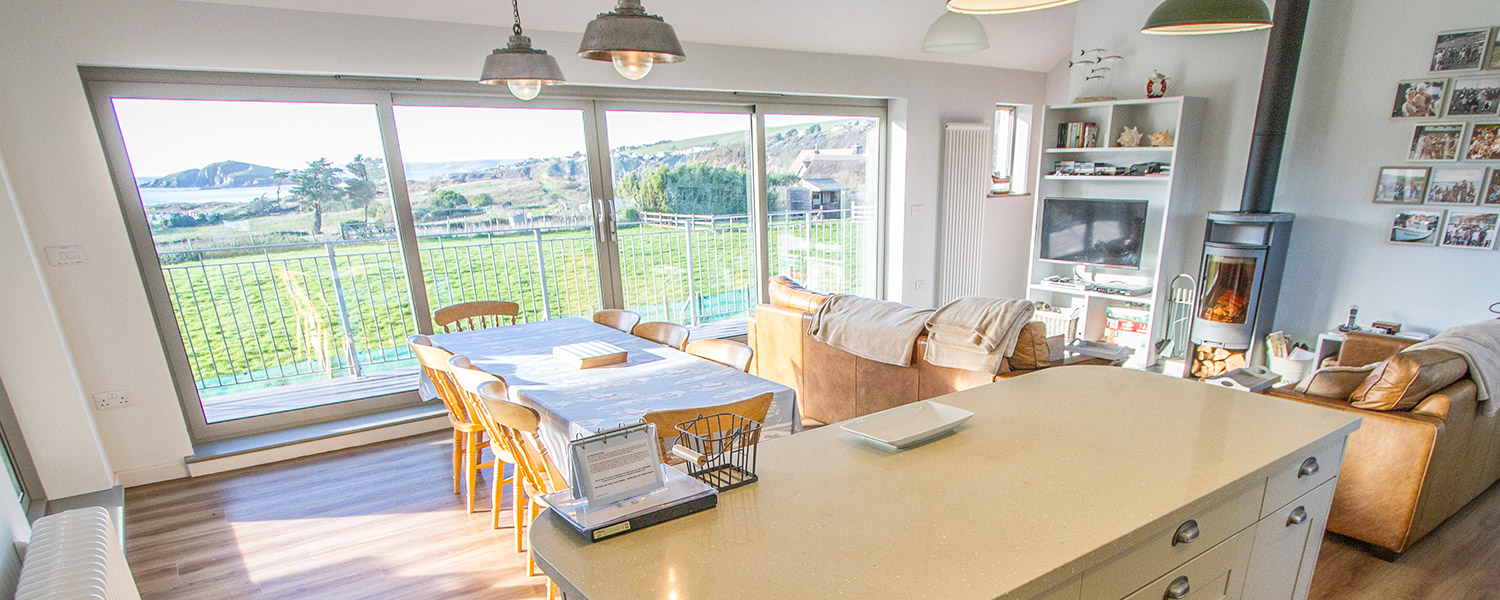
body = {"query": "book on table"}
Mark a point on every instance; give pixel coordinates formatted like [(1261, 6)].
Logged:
[(587, 355)]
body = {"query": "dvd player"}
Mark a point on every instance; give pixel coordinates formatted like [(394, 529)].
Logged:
[(1120, 289)]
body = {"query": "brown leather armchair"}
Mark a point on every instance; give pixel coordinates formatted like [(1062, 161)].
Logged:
[(833, 385), (1405, 470)]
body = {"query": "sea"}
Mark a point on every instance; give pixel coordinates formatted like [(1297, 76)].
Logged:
[(152, 196)]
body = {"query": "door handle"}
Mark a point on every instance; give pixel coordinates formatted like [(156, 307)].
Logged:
[(1179, 588), (1298, 517), (1186, 533)]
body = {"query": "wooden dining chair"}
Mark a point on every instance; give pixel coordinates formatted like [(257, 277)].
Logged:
[(666, 334), (470, 316), (518, 428), (468, 435), (725, 352), (466, 379), (666, 421), (617, 318)]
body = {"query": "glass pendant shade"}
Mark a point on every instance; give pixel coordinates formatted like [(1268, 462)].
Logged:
[(631, 39), (522, 68), (954, 32), (1198, 17), (1001, 7)]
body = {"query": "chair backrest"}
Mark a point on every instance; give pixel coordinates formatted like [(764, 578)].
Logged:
[(470, 316), (725, 352), (617, 318), (519, 429), (666, 421), (666, 334), (434, 361)]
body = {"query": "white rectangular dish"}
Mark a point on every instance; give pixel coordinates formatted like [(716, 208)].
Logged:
[(908, 425)]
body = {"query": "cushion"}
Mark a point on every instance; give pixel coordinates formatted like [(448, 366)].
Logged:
[(1403, 380), (1031, 348), (1335, 382), (790, 294)]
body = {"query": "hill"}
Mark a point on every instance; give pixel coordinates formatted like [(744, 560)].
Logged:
[(223, 174)]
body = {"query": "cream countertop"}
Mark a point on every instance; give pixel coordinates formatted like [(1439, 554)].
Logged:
[(1057, 471)]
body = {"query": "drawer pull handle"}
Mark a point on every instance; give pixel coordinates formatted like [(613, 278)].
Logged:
[(1309, 468), (1186, 533), (1178, 589), (1298, 517)]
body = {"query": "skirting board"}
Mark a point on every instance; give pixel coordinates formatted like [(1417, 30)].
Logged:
[(317, 446), (151, 474)]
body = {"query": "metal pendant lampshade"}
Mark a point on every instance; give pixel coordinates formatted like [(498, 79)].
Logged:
[(525, 70), (631, 39), (1000, 7), (1197, 17), (954, 32)]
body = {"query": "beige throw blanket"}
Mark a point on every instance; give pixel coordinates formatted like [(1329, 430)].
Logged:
[(976, 333), (874, 329), (1479, 344)]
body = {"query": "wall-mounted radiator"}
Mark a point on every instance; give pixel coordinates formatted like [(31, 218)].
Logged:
[(967, 161), (75, 555)]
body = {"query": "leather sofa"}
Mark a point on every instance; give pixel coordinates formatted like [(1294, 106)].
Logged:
[(833, 385), (1425, 448)]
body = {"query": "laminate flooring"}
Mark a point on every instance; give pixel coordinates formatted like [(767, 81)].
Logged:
[(380, 522)]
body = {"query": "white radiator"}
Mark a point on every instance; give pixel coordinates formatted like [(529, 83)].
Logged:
[(75, 555), (968, 155)]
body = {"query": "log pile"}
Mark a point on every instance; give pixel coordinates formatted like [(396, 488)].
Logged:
[(1209, 361)]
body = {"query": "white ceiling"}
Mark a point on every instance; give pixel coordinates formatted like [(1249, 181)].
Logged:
[(1033, 41)]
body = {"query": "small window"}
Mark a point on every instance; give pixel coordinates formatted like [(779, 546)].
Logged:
[(1008, 171)]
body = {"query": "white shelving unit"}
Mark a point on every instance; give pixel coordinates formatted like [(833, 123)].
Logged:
[(1165, 195)]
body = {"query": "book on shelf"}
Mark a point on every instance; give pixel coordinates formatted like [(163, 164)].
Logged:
[(1078, 135)]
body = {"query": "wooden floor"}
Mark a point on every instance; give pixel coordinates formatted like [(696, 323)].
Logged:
[(380, 522)]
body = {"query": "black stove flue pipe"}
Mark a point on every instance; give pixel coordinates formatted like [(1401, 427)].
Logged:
[(1283, 52)]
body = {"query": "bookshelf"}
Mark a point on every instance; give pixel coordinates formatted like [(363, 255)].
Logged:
[(1167, 223)]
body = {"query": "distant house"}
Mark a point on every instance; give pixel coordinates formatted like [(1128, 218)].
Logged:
[(819, 194), (830, 162)]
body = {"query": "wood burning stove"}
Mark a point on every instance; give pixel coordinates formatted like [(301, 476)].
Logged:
[(1243, 257)]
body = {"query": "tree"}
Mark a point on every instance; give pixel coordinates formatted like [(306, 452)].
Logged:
[(482, 199), (359, 189), (316, 186), (281, 175), (449, 199)]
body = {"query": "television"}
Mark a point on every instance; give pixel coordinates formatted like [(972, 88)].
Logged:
[(1108, 233)]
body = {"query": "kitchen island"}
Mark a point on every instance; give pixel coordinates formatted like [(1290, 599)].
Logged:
[(1080, 483)]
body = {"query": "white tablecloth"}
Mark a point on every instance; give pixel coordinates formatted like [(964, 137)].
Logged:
[(579, 402)]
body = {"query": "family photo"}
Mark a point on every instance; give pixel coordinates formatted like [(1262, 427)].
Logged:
[(1484, 142), (1475, 96), (1474, 231), (1402, 185), (1491, 195), (1416, 227), (1460, 50), (1420, 98), (1456, 185), (1438, 141)]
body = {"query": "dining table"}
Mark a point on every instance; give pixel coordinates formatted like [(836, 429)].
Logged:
[(574, 402)]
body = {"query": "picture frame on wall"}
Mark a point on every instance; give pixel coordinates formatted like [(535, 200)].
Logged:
[(1436, 142), (1456, 186), (1402, 185), (1420, 98), (1484, 143), (1417, 227), (1460, 50), (1493, 54), (1491, 194), (1470, 230), (1475, 96)]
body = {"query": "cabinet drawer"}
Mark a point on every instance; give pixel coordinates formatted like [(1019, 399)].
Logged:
[(1286, 547), (1219, 574), (1129, 570), (1304, 472)]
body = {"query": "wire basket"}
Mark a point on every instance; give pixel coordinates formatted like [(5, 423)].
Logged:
[(719, 449)]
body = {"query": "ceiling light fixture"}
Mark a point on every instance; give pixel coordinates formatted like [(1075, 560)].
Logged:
[(522, 68), (955, 32), (1001, 7), (633, 40), (1199, 17)]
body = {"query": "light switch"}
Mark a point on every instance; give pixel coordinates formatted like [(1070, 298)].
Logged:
[(916, 209), (58, 256)]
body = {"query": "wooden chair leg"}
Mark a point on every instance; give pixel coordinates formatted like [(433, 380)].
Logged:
[(469, 471), (551, 589), (458, 458), (518, 508), (495, 487)]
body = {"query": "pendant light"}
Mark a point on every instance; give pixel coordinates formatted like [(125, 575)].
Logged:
[(1197, 17), (522, 68), (955, 32), (631, 39), (1001, 7)]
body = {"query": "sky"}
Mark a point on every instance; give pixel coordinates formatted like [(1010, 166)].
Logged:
[(167, 136)]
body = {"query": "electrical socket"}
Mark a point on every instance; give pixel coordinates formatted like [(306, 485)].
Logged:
[(114, 399), (920, 285)]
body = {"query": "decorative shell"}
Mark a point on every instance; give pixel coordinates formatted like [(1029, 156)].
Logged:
[(1130, 137), (1162, 139)]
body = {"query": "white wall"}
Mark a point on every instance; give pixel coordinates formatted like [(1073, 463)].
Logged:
[(1354, 54), (63, 194)]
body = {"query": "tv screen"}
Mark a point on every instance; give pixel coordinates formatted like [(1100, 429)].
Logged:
[(1093, 232)]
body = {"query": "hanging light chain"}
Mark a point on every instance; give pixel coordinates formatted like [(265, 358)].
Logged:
[(515, 8)]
